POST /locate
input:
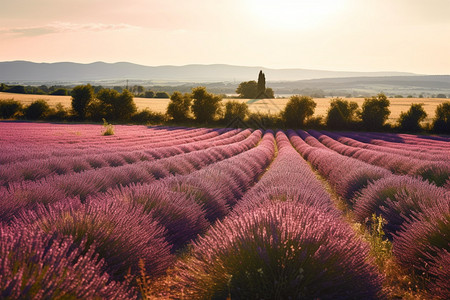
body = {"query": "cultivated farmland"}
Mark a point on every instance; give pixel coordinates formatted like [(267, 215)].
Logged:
[(200, 213)]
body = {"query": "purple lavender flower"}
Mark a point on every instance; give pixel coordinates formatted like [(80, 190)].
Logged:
[(37, 265), (123, 235), (280, 251)]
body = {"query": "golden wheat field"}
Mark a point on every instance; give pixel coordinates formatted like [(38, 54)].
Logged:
[(397, 106)]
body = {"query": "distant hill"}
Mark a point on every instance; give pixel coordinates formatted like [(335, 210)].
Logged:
[(67, 72), (402, 85)]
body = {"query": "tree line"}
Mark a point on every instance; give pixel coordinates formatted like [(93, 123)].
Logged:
[(199, 107), (59, 90)]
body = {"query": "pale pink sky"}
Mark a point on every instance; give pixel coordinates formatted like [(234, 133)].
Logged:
[(347, 35)]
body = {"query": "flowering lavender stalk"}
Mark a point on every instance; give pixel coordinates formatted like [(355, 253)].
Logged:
[(440, 271), (36, 265), (123, 235), (280, 251), (421, 240), (183, 218), (396, 199)]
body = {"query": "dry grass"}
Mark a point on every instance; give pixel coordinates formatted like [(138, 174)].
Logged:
[(397, 106)]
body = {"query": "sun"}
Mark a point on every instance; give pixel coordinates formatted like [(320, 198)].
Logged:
[(294, 14)]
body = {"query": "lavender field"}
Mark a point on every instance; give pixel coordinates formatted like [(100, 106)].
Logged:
[(200, 213)]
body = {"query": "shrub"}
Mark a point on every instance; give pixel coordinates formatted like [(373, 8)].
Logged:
[(356, 179), (440, 271), (97, 110), (410, 121), (116, 106), (82, 96), (235, 109), (37, 110), (205, 105), (122, 235), (9, 108), (396, 198), (109, 129), (264, 120), (162, 95), (437, 173), (441, 121), (315, 122), (147, 116), (181, 216), (208, 197), (149, 94), (247, 89), (59, 113), (341, 114), (420, 241), (36, 265), (179, 106), (26, 195), (281, 251), (297, 110), (60, 92), (375, 112)]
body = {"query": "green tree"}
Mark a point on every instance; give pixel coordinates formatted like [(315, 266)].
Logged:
[(163, 95), (59, 113), (205, 105), (270, 93), (341, 114), (375, 111), (82, 95), (149, 94), (410, 120), (124, 106), (179, 105), (116, 106), (297, 110), (261, 82), (247, 89), (137, 89), (441, 121), (118, 88), (147, 116), (37, 110), (9, 107), (235, 109), (18, 89), (60, 92)]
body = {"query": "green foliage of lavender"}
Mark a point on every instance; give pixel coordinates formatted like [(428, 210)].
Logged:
[(280, 251)]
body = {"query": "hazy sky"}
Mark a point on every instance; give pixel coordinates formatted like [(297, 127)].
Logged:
[(347, 35)]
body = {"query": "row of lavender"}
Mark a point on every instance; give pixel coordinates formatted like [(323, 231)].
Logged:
[(26, 194), (417, 212), (284, 239), (111, 220), (122, 226), (65, 162), (433, 167), (25, 143)]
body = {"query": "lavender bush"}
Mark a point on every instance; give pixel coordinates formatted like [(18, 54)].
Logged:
[(439, 270), (281, 251), (397, 198), (122, 235), (421, 240), (183, 218), (37, 265)]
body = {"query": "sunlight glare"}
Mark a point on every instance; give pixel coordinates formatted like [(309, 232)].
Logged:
[(294, 14)]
